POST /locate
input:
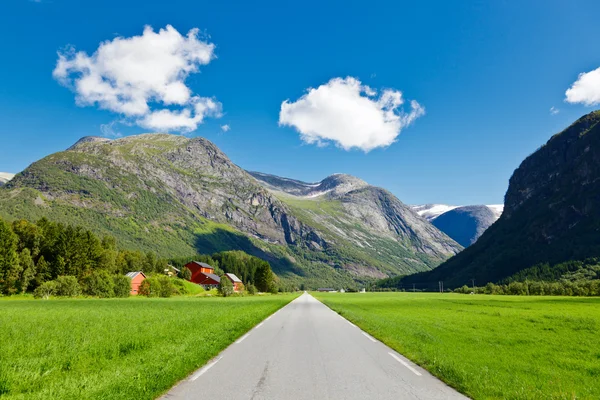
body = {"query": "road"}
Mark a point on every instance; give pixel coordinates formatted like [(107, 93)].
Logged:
[(307, 351)]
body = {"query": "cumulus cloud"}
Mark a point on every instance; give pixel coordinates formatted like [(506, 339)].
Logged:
[(586, 89), (554, 110), (142, 78), (225, 128), (349, 114)]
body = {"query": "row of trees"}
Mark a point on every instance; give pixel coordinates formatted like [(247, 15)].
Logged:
[(538, 288), (53, 259)]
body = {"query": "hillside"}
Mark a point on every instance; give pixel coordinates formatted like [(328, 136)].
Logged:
[(364, 218), (177, 196), (551, 213), (464, 224)]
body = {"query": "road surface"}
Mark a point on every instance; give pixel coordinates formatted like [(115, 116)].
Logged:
[(307, 351)]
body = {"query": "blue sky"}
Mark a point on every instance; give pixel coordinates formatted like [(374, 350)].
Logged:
[(486, 73)]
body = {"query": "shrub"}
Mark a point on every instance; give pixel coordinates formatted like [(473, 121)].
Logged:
[(186, 274), (225, 286), (67, 286), (157, 286), (99, 283), (121, 285), (251, 289), (45, 290)]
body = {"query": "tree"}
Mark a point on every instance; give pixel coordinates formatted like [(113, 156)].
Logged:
[(45, 290), (225, 286), (186, 274), (10, 268), (264, 277), (251, 289), (99, 283), (121, 285), (67, 286), (27, 270)]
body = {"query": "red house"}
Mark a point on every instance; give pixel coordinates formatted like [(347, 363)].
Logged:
[(136, 280), (237, 283), (203, 274)]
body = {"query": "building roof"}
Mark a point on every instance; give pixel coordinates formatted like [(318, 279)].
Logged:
[(214, 277), (234, 278), (204, 265), (134, 274)]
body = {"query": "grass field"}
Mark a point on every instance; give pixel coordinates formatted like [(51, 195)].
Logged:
[(489, 347), (132, 348)]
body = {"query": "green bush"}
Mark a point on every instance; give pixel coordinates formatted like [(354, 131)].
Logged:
[(225, 286), (99, 283), (121, 285), (45, 290), (158, 286), (67, 286), (251, 289)]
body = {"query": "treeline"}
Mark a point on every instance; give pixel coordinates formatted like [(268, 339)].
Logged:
[(255, 273), (570, 278), (32, 254), (538, 288)]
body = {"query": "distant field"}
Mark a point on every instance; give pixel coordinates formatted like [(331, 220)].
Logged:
[(489, 347), (132, 348)]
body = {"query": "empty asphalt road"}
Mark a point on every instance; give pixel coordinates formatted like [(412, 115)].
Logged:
[(307, 351)]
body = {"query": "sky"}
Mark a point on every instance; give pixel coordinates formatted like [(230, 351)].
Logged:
[(436, 101)]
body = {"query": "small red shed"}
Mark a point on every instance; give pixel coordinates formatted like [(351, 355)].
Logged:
[(237, 283), (137, 278)]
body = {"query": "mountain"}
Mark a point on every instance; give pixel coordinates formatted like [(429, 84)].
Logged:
[(5, 177), (177, 196), (364, 218), (464, 224), (551, 213)]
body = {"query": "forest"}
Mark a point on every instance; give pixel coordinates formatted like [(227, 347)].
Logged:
[(69, 260)]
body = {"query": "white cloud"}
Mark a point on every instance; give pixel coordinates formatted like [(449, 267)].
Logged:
[(586, 89), (554, 110), (143, 78), (348, 113), (108, 130), (225, 128)]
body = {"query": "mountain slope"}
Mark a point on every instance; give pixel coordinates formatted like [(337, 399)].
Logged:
[(356, 215), (176, 196), (464, 224), (551, 213)]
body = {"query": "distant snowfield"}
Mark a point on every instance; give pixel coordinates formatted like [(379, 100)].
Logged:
[(432, 211), (6, 176)]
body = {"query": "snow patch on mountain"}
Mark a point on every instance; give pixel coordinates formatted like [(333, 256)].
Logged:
[(5, 177)]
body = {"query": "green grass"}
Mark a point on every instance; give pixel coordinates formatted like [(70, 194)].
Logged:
[(134, 348), (489, 347)]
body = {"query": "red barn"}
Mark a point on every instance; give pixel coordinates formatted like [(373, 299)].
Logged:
[(203, 274), (136, 280), (237, 283)]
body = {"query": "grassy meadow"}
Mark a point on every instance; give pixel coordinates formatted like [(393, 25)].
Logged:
[(134, 348), (488, 347)]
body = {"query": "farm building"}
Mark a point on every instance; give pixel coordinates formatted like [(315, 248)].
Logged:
[(237, 283), (203, 274), (137, 278)]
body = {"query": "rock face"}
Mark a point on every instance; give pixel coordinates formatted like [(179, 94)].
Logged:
[(551, 213), (175, 196), (352, 212), (5, 177)]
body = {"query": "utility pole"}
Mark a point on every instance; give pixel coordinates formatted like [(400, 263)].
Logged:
[(442, 286), (473, 280), (413, 287)]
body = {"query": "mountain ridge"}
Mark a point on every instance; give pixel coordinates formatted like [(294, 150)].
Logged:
[(551, 214), (173, 194)]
